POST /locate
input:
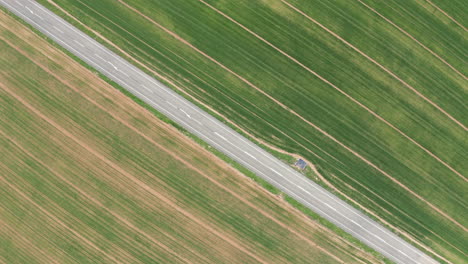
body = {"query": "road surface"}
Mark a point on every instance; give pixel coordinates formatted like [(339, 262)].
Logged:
[(216, 133)]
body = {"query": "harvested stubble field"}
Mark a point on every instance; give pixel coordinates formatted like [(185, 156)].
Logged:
[(89, 176), (372, 92)]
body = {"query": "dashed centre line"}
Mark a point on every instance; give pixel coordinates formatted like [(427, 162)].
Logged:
[(171, 104), (58, 29), (185, 113), (250, 155), (79, 43), (148, 89), (97, 55), (112, 65), (29, 10), (219, 135)]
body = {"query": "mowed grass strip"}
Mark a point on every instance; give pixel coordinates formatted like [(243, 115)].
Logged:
[(225, 67), (88, 176)]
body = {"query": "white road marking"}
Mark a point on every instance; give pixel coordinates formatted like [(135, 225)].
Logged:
[(252, 156), (331, 207), (208, 139), (29, 10), (185, 113), (275, 171), (171, 104), (79, 43), (219, 135), (99, 57), (148, 89), (198, 122), (58, 29), (124, 73), (112, 65)]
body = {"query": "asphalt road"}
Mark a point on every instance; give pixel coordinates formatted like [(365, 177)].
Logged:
[(216, 133)]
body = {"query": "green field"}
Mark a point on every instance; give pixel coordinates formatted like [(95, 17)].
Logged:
[(391, 137), (455, 11), (89, 176)]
